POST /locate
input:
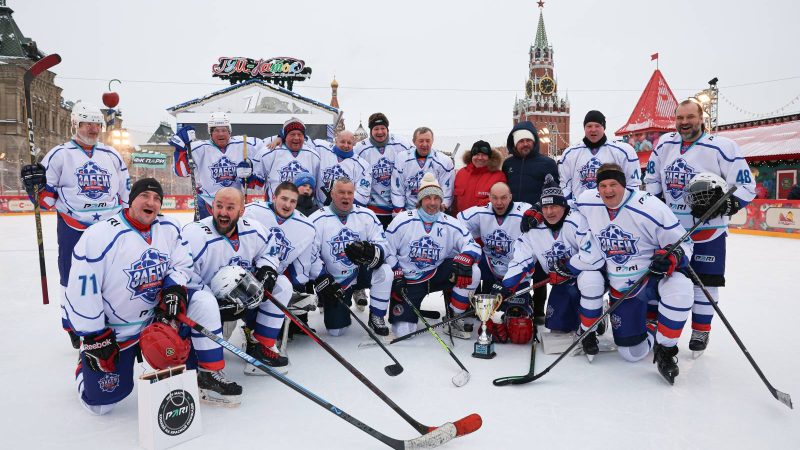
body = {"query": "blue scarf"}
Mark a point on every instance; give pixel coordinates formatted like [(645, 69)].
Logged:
[(428, 218), (341, 153)]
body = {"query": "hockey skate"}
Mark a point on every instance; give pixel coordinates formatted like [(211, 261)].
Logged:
[(361, 300), (667, 362), (268, 355), (698, 343), (217, 390), (459, 329), (590, 345), (378, 325)]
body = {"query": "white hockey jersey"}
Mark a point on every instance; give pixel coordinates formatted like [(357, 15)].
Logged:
[(642, 225), (216, 168), (333, 235), (86, 187), (545, 246), (408, 173), (496, 233), (282, 164), (289, 239), (381, 162), (577, 168), (117, 273), (419, 251), (671, 168), (333, 166), (210, 250)]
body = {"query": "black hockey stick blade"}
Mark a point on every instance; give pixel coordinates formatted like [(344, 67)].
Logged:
[(521, 379), (393, 370), (429, 314)]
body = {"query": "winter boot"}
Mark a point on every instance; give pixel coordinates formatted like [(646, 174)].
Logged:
[(217, 390), (666, 360), (378, 325)]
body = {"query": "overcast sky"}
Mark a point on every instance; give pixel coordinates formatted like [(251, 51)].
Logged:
[(455, 66)]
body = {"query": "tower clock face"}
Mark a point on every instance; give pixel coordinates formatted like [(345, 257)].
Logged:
[(547, 86), (529, 88)]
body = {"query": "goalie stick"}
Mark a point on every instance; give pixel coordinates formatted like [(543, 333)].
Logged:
[(431, 439), (463, 426), (34, 71)]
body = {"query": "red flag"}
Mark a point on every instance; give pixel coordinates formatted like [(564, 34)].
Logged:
[(654, 57)]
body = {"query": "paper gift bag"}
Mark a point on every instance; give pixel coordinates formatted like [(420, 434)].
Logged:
[(169, 408)]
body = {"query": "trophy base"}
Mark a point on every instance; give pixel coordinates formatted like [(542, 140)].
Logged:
[(484, 351)]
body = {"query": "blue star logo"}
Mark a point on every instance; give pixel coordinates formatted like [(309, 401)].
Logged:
[(630, 282), (96, 217)]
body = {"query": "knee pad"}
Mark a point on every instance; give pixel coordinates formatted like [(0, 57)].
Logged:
[(591, 284), (636, 352)]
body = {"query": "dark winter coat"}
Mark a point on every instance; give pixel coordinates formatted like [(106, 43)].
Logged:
[(307, 204), (526, 174), (472, 184)]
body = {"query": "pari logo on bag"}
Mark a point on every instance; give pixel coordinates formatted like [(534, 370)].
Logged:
[(93, 180), (176, 413)]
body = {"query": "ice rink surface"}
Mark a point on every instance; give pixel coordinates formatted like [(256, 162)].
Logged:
[(717, 402)]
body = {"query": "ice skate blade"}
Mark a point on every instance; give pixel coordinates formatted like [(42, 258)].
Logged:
[(367, 343), (254, 371), (697, 353), (590, 357), (214, 399)]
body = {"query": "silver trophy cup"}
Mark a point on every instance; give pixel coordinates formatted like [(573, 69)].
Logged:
[(485, 305)]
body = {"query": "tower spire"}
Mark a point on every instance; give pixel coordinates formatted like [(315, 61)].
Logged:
[(541, 34)]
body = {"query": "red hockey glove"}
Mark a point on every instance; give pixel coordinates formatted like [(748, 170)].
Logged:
[(531, 218), (662, 266), (462, 270)]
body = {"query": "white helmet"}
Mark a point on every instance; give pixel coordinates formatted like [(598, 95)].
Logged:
[(82, 112), (701, 191), (218, 119), (236, 290)]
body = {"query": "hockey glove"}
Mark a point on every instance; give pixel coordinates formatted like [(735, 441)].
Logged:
[(33, 176), (560, 273), (101, 351), (267, 276), (364, 253), (183, 138), (498, 289), (531, 218), (499, 331), (173, 301), (462, 270), (328, 290), (662, 265), (399, 285), (244, 170)]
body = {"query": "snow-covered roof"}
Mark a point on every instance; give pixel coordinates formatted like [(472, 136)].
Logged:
[(767, 141)]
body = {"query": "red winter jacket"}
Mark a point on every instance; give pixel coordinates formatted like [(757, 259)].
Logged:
[(472, 184)]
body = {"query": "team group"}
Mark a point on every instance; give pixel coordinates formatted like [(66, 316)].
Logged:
[(383, 223)]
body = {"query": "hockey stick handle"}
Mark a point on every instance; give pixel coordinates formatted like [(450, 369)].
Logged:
[(192, 169), (783, 397), (369, 331)]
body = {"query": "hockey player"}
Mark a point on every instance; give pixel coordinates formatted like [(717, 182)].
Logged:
[(226, 239), (349, 240), (340, 161), (628, 232), (412, 164), (85, 181), (430, 251), (678, 158), (577, 168), (120, 268), (294, 156), (220, 161), (380, 150)]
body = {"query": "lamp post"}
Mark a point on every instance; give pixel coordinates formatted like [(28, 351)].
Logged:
[(708, 99), (544, 138)]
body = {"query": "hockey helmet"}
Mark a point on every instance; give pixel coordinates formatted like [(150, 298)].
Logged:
[(236, 290), (703, 190), (218, 119), (162, 347), (83, 112)]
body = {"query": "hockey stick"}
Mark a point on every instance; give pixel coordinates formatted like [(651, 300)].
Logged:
[(463, 426), (244, 182), (632, 289), (392, 370), (782, 397), (34, 71), (192, 170), (433, 438), (521, 379), (461, 378)]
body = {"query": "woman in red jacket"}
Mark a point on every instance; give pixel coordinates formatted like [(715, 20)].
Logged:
[(473, 181)]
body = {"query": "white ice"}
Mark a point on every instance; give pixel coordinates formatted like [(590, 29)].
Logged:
[(717, 402)]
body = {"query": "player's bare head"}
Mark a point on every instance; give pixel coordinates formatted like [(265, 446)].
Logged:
[(345, 140), (611, 184), (228, 207), (145, 200), (342, 193), (423, 140), (500, 197), (689, 120), (378, 127), (284, 200)]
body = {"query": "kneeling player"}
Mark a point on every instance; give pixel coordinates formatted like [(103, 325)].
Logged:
[(430, 251), (629, 232), (119, 267)]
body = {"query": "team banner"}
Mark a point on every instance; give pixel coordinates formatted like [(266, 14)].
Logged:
[(149, 160)]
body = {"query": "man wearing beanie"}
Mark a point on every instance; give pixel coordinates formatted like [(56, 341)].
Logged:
[(380, 151), (430, 252), (127, 271), (412, 164), (525, 169), (480, 172), (578, 165), (294, 156)]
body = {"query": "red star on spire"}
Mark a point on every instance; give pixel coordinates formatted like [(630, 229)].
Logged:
[(540, 3)]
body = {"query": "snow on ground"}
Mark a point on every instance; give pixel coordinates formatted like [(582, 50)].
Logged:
[(718, 401)]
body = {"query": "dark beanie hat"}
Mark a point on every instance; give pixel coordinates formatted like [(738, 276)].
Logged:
[(552, 193), (377, 119), (146, 184), (481, 147), (595, 116)]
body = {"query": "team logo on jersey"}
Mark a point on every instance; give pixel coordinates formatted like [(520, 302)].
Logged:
[(424, 252), (588, 173), (93, 180), (498, 244), (279, 245), (382, 171), (289, 171), (616, 321), (339, 242), (557, 252), (332, 174), (109, 382), (677, 176), (146, 275), (412, 184), (223, 172), (241, 262), (617, 245)]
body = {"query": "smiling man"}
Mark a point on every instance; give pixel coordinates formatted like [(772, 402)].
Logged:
[(413, 164)]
